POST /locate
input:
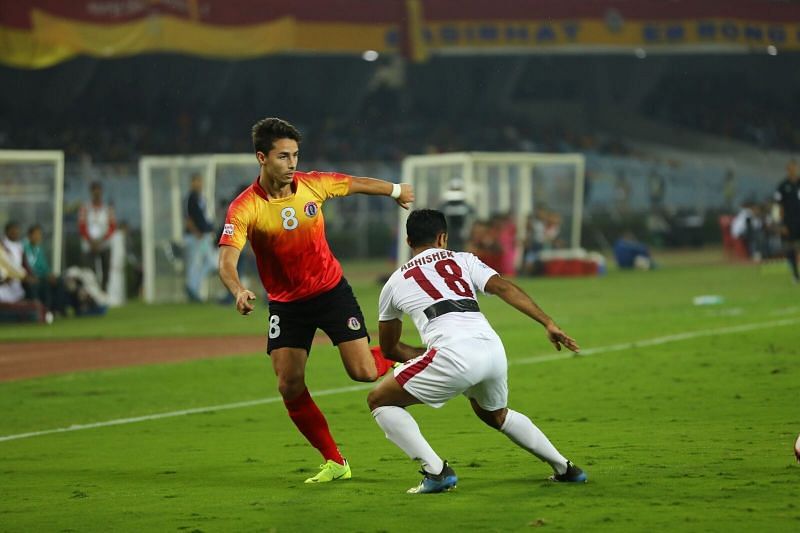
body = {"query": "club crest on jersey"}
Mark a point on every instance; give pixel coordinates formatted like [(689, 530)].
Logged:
[(228, 230), (353, 323), (311, 209)]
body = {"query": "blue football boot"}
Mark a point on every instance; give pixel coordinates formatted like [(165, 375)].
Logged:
[(572, 475), (431, 483)]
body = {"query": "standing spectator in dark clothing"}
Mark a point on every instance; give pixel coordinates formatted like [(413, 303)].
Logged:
[(622, 194), (588, 185), (787, 197), (657, 186), (729, 190), (458, 214), (199, 254), (96, 224)]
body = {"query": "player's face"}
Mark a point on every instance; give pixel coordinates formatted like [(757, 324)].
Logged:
[(280, 162)]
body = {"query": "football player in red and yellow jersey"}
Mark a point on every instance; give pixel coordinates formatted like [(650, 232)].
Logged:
[(281, 215)]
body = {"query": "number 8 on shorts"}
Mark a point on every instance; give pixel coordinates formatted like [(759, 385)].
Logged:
[(274, 328)]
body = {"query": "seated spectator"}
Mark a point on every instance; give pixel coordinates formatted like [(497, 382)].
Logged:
[(13, 271), (42, 284), (552, 230), (84, 292), (532, 246), (749, 226), (483, 243), (11, 290), (505, 235), (659, 225), (630, 253), (543, 230)]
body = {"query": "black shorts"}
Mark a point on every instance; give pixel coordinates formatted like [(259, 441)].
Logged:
[(792, 232), (336, 312)]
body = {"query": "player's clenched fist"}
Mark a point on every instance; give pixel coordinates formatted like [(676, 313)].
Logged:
[(244, 301), (406, 195)]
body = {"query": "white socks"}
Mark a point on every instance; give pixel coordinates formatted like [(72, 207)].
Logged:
[(401, 428), (524, 433)]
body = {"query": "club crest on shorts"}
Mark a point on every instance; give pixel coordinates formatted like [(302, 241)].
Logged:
[(353, 323), (310, 209)]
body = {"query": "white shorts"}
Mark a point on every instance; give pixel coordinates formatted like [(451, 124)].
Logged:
[(475, 367)]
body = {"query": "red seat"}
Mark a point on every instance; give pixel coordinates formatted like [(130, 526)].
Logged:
[(570, 267)]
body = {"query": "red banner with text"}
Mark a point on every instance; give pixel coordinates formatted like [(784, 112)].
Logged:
[(40, 33)]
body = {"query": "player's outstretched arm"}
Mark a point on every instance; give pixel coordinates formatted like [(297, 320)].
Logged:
[(389, 336), (228, 259), (402, 193), (516, 297)]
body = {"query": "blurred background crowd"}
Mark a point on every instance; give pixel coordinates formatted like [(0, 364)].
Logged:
[(686, 113), (166, 105)]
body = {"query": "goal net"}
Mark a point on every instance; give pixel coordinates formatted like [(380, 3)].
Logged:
[(515, 184), (32, 192), (164, 187)]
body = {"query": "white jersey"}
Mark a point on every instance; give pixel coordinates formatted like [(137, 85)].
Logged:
[(11, 290), (431, 277)]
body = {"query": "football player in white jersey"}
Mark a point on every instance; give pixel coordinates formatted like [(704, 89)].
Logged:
[(463, 354)]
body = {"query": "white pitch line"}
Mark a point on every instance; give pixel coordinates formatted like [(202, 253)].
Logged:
[(328, 392), (657, 340), (171, 414)]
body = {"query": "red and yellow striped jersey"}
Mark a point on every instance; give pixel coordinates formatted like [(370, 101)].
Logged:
[(288, 235)]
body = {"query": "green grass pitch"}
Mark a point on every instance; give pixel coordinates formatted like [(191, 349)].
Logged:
[(680, 433)]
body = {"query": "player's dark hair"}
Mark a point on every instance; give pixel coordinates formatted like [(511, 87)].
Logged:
[(424, 225), (268, 130), (11, 224)]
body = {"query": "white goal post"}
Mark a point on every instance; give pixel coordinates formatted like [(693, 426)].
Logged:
[(164, 186), (499, 182), (32, 192)]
